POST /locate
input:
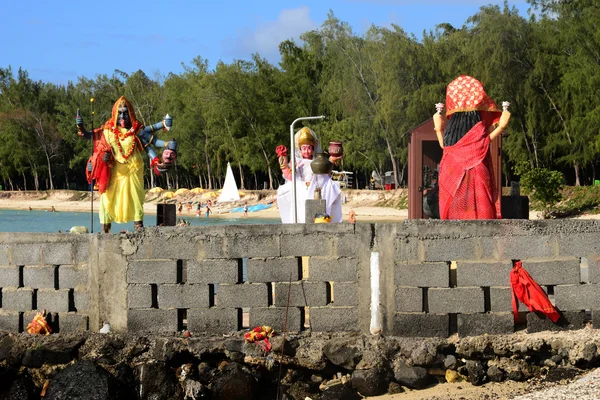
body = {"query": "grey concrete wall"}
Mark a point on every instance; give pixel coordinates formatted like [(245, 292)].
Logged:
[(436, 277)]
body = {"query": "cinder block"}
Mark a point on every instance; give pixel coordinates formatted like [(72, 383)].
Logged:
[(252, 246), (486, 323), (455, 300), (72, 322), (214, 320), (152, 271), (526, 247), (501, 300), (334, 319), (596, 319), (278, 269), (71, 277), (352, 245), (17, 299), (81, 300), (481, 273), (244, 295), (305, 245), (38, 277), (409, 299), (213, 271), (577, 297), (163, 247), (9, 276), (55, 301), (9, 321), (421, 325), (408, 250), (558, 272), (139, 296), (4, 254), (152, 320), (26, 254), (276, 316), (211, 247), (431, 274), (441, 249), (57, 253), (570, 320), (313, 207), (594, 269), (302, 294), (330, 269), (183, 296), (578, 244), (345, 294), (81, 250)]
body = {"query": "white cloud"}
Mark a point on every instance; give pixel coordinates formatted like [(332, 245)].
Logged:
[(265, 37)]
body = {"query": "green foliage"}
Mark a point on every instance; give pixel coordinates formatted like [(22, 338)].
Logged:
[(542, 185), (579, 199)]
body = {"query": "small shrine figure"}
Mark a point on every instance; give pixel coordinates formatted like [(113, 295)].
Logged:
[(307, 183)]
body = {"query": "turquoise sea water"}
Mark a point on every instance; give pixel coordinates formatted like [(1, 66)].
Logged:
[(41, 221)]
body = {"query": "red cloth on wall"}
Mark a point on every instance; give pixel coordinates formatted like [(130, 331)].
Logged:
[(528, 292), (466, 179)]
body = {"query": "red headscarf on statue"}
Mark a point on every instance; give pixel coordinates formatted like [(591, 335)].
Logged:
[(466, 93)]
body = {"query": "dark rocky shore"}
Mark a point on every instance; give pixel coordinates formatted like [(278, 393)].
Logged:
[(318, 366)]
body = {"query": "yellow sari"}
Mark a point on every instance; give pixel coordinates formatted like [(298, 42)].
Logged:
[(123, 200)]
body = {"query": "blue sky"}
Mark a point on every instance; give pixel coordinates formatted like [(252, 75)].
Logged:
[(59, 41)]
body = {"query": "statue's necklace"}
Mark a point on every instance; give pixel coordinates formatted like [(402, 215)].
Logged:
[(118, 136)]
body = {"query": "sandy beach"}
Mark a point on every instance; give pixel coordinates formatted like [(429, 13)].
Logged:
[(363, 204)]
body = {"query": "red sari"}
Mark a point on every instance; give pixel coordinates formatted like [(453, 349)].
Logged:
[(466, 178)]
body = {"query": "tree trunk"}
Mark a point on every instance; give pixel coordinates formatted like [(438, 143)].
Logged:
[(36, 181), (577, 180), (242, 187), (10, 182), (24, 182), (49, 170)]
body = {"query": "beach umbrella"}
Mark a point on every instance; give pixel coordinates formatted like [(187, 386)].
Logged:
[(155, 190), (168, 195), (181, 191), (197, 190), (241, 193)]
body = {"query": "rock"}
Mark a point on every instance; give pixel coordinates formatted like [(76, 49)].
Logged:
[(450, 362), (6, 344), (289, 346), (343, 352), (340, 392), (156, 381), (515, 375), (58, 351), (310, 355), (22, 388), (495, 374), (412, 377), (560, 373), (234, 382), (371, 382), (85, 380), (425, 353), (299, 391), (476, 373), (452, 376), (394, 388)]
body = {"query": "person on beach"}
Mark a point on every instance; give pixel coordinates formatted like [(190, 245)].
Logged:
[(246, 210), (306, 145), (30, 208), (198, 207), (180, 208), (207, 211), (117, 165), (351, 217), (465, 180), (52, 209), (189, 207)]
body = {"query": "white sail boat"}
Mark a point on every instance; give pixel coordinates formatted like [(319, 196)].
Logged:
[(230, 190)]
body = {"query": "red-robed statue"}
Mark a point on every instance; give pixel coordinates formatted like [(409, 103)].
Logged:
[(466, 178)]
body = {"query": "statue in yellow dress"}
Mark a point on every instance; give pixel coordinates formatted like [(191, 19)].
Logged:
[(117, 165)]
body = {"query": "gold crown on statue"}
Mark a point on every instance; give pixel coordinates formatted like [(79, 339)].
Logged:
[(306, 137)]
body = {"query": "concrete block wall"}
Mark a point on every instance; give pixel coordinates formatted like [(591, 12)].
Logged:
[(454, 276), (44, 272), (235, 277), (436, 278)]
